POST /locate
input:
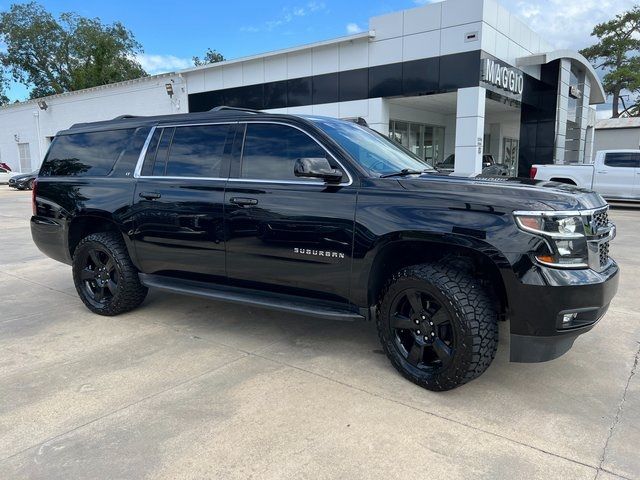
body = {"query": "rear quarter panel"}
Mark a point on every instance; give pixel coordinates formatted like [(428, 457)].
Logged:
[(60, 200), (581, 175)]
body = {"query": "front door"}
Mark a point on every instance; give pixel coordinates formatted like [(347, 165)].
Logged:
[(286, 233), (178, 204)]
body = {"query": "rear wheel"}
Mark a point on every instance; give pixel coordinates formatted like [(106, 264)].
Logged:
[(105, 279), (438, 325)]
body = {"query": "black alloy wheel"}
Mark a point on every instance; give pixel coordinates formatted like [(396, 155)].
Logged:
[(424, 334), (105, 278), (438, 324), (99, 276)]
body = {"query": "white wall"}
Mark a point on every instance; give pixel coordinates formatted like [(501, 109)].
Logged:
[(616, 138), (141, 97)]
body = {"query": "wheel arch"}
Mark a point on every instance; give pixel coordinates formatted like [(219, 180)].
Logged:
[(401, 250), (567, 180), (83, 225)]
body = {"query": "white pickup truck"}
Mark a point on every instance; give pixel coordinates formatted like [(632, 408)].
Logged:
[(614, 174)]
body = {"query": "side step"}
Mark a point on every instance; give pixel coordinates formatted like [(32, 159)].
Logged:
[(257, 298)]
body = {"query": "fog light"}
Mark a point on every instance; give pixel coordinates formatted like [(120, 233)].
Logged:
[(568, 318)]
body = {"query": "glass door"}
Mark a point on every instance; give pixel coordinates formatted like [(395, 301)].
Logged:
[(425, 141), (510, 147)]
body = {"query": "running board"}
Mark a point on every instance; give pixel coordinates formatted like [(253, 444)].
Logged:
[(257, 298)]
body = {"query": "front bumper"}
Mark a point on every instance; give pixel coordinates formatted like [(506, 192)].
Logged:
[(539, 301)]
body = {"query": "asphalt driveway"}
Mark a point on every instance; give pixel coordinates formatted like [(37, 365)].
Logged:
[(188, 388)]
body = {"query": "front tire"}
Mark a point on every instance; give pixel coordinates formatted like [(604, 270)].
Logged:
[(104, 276), (437, 325)]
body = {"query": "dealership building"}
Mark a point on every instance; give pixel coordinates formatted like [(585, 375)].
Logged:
[(462, 77)]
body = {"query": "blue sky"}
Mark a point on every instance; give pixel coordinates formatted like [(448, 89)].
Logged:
[(172, 32)]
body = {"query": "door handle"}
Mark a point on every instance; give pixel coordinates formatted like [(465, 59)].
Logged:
[(602, 173), (243, 202), (150, 195)]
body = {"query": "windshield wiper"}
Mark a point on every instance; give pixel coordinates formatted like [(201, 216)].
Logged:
[(403, 173)]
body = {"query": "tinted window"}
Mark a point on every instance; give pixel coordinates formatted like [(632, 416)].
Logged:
[(197, 151), (270, 151), (622, 159), (82, 154), (163, 152), (147, 167)]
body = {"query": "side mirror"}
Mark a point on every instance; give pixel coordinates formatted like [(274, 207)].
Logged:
[(317, 168)]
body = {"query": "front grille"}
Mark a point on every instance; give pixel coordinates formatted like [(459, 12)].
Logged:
[(601, 218), (603, 251)]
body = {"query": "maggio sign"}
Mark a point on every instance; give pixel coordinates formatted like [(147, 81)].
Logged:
[(498, 75)]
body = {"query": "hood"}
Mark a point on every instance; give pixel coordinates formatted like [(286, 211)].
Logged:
[(509, 193)]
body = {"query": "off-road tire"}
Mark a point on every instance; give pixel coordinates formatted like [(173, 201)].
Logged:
[(129, 292), (473, 316)]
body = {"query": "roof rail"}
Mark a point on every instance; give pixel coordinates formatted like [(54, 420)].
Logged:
[(240, 109), (357, 120), (122, 117)]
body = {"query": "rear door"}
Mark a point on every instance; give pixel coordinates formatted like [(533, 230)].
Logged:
[(615, 175), (178, 201), (286, 233)]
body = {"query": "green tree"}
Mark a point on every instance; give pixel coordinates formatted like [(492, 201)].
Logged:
[(616, 53), (3, 89), (69, 53), (211, 56)]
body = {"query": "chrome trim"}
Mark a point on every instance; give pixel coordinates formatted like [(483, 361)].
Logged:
[(559, 213), (143, 153), (564, 266)]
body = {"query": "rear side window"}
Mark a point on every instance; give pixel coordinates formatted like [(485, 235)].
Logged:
[(197, 151), (622, 159), (270, 151), (194, 151), (84, 154)]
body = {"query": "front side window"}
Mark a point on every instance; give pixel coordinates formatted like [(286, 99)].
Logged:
[(373, 151), (622, 159), (270, 152)]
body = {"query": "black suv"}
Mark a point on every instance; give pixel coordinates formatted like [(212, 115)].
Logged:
[(328, 218)]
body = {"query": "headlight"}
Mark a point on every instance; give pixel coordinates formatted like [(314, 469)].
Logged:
[(564, 234)]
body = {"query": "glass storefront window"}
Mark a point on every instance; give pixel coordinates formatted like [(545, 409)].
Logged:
[(425, 141)]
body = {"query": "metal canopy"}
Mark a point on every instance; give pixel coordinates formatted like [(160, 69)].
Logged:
[(597, 91)]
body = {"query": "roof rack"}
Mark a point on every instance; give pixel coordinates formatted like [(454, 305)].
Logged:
[(122, 117), (240, 109)]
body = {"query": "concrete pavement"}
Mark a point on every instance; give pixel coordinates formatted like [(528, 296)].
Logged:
[(188, 388)]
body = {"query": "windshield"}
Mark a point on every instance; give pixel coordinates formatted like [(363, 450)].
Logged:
[(373, 151)]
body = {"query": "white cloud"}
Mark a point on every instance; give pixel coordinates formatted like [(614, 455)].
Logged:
[(162, 63), (353, 28), (567, 24), (287, 16)]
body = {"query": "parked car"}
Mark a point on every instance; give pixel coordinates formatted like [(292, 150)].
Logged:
[(615, 174), (323, 217), (489, 166), (23, 181), (5, 175), (5, 166)]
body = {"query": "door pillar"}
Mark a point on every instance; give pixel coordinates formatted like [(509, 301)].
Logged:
[(469, 131)]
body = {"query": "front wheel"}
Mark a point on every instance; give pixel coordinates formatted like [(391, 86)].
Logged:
[(437, 325), (104, 276)]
